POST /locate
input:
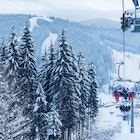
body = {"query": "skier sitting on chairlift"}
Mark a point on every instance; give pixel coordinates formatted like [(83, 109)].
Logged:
[(116, 95), (131, 95), (125, 108), (125, 94)]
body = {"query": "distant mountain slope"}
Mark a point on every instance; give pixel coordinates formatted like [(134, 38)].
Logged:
[(102, 23), (112, 35), (95, 40), (7, 20)]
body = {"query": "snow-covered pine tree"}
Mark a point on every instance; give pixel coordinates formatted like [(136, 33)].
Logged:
[(40, 117), (11, 118), (54, 124), (46, 71), (27, 76), (15, 120), (44, 64), (3, 54), (93, 99), (11, 64), (5, 100), (28, 69), (64, 87), (84, 92)]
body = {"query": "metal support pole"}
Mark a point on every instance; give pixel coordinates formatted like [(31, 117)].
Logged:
[(135, 15), (135, 11), (132, 117)]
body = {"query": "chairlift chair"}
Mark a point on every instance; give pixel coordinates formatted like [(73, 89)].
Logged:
[(122, 91)]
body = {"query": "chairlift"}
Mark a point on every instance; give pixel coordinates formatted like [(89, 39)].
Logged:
[(122, 91), (125, 108)]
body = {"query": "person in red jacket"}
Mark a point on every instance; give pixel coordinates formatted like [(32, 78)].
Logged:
[(130, 96), (117, 95)]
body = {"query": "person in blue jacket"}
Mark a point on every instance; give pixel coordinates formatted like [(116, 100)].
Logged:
[(125, 94)]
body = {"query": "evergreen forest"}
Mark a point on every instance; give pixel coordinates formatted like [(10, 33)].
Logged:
[(54, 101)]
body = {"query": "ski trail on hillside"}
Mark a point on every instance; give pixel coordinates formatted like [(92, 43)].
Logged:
[(33, 23), (52, 38)]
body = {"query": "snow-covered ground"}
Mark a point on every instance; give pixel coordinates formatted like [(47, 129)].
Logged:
[(33, 21), (111, 117)]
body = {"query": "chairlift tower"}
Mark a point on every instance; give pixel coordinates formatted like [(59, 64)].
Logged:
[(132, 117)]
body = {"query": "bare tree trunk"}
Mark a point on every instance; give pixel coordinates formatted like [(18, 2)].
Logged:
[(79, 131), (76, 133), (52, 137), (63, 134), (88, 123), (82, 129), (69, 134)]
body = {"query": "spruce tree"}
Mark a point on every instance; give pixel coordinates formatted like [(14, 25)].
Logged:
[(93, 98), (54, 124), (12, 61), (46, 70), (27, 77), (28, 70), (40, 115), (5, 100), (64, 87), (84, 83), (9, 60), (84, 91), (3, 54), (42, 69)]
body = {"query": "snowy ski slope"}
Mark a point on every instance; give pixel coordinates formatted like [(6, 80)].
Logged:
[(109, 113)]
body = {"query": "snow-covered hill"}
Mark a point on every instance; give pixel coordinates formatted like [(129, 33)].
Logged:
[(99, 41), (101, 22), (98, 38)]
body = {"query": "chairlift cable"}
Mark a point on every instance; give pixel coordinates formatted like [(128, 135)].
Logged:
[(124, 54), (123, 5), (123, 49)]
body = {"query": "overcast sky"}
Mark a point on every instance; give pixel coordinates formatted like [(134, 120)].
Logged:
[(75, 10)]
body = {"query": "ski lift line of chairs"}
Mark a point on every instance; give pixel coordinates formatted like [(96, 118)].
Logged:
[(123, 93), (126, 22), (126, 95)]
